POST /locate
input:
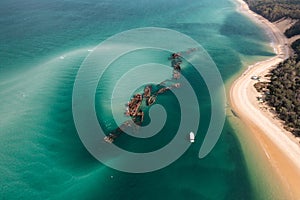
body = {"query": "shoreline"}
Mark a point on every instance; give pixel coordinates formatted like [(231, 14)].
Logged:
[(281, 148)]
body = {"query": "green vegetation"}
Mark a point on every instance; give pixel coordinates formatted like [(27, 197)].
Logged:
[(296, 48), (282, 93), (274, 10), (294, 30)]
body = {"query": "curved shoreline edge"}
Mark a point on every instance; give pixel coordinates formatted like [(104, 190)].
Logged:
[(282, 149)]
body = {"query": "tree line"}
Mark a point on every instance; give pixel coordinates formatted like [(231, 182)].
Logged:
[(282, 92), (274, 10)]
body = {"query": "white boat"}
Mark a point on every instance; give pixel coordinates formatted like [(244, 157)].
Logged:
[(192, 137)]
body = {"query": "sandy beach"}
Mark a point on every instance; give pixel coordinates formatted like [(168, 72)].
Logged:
[(281, 148)]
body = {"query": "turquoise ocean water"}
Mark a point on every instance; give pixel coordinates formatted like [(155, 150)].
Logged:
[(42, 45)]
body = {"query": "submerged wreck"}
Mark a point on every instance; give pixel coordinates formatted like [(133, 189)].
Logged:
[(134, 108)]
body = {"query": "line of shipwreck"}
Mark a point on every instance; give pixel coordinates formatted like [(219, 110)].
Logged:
[(148, 97)]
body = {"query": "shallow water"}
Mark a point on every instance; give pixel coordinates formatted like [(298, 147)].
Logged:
[(43, 44)]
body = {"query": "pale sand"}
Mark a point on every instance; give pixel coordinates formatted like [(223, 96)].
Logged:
[(294, 38), (281, 147), (283, 25)]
